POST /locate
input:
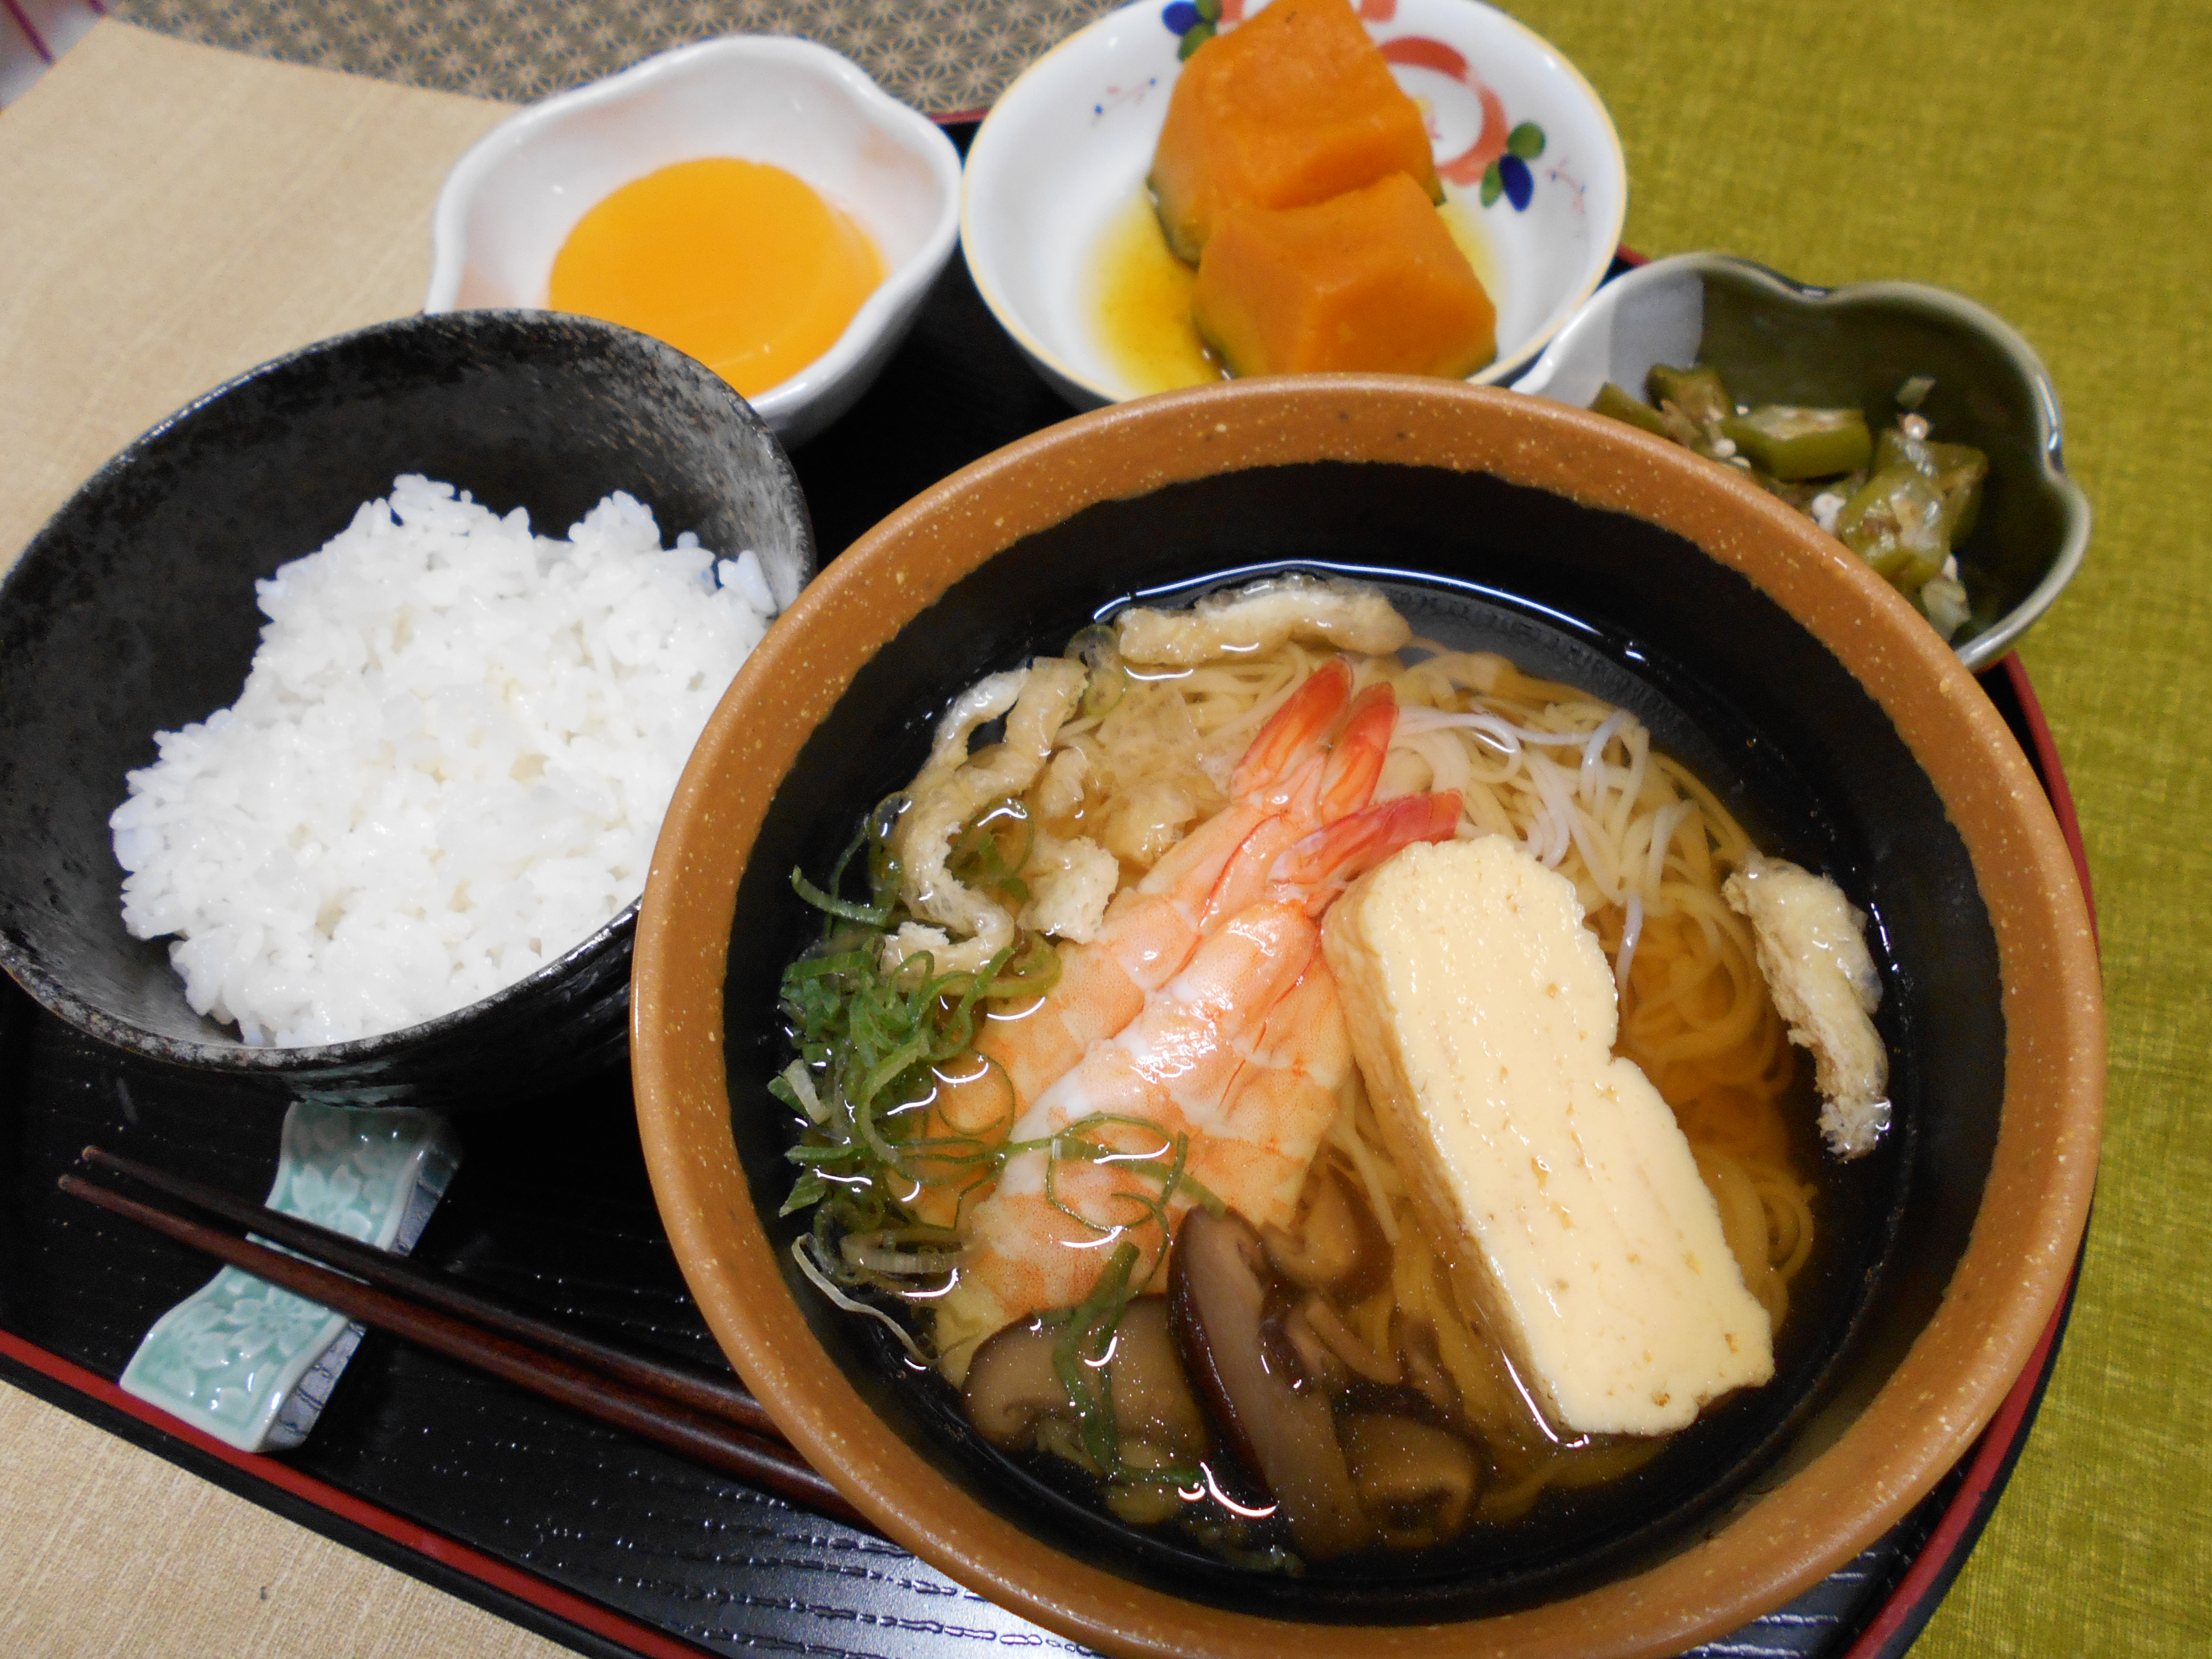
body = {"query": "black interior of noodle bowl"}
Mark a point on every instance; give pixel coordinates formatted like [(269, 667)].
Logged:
[(1728, 683)]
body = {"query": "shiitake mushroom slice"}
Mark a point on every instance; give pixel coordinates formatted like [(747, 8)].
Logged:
[(1339, 1247), (1152, 1399), (1425, 1367), (1417, 1480), (1382, 1370), (1277, 1423), (1013, 1388)]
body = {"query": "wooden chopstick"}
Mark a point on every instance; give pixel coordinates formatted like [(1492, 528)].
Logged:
[(667, 1378), (632, 1404)]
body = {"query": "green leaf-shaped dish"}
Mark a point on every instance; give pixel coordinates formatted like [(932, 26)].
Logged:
[(1778, 341)]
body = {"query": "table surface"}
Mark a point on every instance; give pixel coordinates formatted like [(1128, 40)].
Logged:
[(2046, 159)]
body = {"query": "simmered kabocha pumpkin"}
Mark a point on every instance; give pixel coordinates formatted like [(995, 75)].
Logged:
[(1291, 107), (1369, 280)]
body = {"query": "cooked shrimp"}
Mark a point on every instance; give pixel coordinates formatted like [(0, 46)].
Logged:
[(1229, 1077), (1288, 784)]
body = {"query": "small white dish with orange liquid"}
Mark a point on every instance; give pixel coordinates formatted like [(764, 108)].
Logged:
[(1058, 225), (756, 202)]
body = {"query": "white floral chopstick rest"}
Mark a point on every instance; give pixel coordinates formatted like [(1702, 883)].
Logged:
[(253, 1365)]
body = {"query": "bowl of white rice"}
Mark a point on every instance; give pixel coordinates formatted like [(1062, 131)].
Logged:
[(339, 712)]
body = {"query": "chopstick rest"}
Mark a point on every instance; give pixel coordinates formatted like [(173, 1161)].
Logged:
[(707, 1418), (253, 1365)]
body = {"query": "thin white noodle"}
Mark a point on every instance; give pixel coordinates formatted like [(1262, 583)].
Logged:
[(1556, 817), (799, 1254), (1631, 930), (1639, 742), (1354, 1144), (1415, 720), (1664, 823), (1593, 752)]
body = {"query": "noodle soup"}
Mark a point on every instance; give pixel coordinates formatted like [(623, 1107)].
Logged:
[(986, 1185)]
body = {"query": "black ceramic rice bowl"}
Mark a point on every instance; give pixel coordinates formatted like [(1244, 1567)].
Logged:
[(133, 611)]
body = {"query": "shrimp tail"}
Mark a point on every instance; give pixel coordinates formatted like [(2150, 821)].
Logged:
[(1322, 786), (1271, 769), (1323, 863), (1355, 764)]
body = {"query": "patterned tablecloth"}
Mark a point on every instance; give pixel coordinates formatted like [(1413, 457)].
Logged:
[(942, 56), (2048, 158)]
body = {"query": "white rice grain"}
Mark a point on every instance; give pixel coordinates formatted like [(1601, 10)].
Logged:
[(447, 766)]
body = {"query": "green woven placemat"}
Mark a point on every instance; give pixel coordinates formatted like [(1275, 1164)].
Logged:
[(2050, 161)]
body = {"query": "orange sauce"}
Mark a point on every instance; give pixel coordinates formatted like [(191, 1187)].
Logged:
[(1466, 229), (1141, 300), (737, 264), (1141, 305)]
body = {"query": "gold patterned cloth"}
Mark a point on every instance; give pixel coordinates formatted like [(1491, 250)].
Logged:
[(942, 56)]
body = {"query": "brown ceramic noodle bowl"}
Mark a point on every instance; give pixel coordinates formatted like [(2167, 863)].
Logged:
[(1781, 669)]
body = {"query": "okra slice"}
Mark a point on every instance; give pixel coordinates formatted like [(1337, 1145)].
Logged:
[(1895, 523), (1793, 443), (1697, 392), (1898, 447), (1625, 406), (1960, 469), (1956, 470)]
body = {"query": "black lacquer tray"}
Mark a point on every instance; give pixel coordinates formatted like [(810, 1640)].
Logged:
[(606, 1544)]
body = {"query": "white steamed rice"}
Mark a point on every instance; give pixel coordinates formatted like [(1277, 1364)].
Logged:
[(447, 766)]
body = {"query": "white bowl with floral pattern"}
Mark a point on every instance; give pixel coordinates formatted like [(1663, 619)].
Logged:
[(1531, 166)]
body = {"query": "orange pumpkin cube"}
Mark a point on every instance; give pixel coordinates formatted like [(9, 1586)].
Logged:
[(1291, 107), (1369, 280)]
